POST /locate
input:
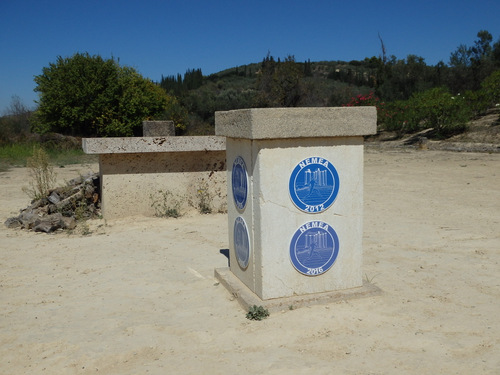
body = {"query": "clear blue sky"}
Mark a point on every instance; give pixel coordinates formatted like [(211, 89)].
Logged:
[(168, 37)]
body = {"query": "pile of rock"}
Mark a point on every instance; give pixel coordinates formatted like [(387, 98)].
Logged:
[(62, 207)]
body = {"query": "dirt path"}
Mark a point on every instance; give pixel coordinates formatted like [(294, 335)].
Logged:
[(138, 296)]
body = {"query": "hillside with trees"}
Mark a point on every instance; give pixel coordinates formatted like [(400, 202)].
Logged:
[(409, 94), (89, 96)]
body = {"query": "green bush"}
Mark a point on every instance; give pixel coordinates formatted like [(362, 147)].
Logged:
[(90, 96), (435, 108), (257, 313), (438, 109), (486, 97), (165, 204), (491, 88)]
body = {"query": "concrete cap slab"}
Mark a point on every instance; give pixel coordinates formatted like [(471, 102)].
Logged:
[(272, 123), (152, 144)]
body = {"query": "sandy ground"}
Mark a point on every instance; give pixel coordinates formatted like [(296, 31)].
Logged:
[(138, 296)]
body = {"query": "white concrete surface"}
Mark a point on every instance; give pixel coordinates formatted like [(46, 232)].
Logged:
[(273, 218), (141, 175)]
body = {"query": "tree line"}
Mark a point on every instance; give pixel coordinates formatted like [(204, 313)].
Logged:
[(87, 95), (288, 83)]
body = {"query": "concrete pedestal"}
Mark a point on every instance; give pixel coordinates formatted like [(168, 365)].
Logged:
[(295, 197)]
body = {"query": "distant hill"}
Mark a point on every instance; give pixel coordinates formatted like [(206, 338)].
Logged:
[(271, 83), (289, 83)]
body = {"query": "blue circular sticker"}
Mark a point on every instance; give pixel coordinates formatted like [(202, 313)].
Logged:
[(239, 183), (314, 248), (241, 242), (314, 185)]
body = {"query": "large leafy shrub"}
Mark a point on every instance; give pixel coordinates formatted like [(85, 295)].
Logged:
[(438, 109), (90, 96), (491, 88), (435, 108)]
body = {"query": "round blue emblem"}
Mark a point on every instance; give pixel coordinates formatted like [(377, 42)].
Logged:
[(314, 185), (314, 248), (241, 242), (239, 183)]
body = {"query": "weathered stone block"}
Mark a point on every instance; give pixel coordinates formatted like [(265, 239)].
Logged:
[(158, 129)]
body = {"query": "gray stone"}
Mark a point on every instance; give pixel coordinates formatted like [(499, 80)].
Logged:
[(43, 215), (69, 200), (38, 203), (76, 181), (54, 198), (158, 128), (48, 223), (12, 222), (27, 219), (68, 223)]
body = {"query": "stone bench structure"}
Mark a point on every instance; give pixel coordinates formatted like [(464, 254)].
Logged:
[(293, 191), (149, 175)]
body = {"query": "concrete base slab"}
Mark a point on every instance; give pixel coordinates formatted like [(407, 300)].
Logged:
[(247, 298)]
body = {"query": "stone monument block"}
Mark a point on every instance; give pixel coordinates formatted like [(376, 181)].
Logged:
[(295, 197), (158, 128)]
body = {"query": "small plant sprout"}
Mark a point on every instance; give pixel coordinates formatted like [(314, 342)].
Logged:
[(257, 313), (165, 205), (370, 279), (204, 198)]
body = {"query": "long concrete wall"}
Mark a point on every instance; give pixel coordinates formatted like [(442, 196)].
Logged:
[(157, 175)]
